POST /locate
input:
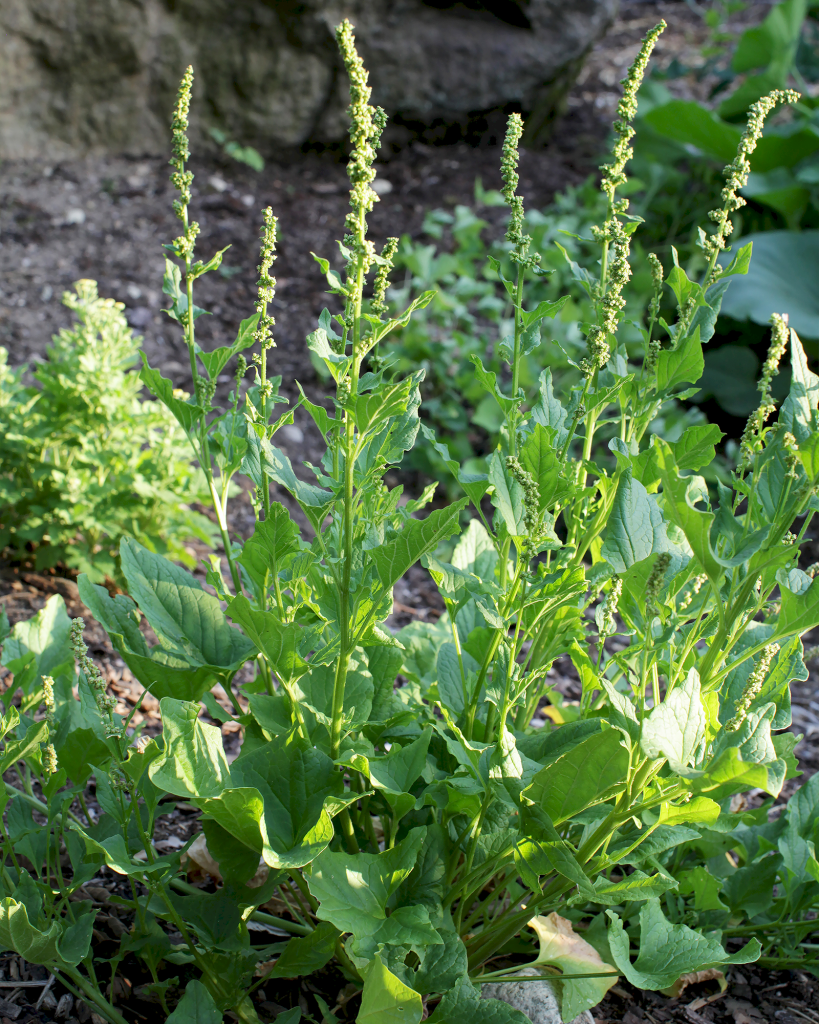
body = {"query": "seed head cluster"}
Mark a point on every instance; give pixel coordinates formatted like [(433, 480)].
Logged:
[(182, 179), (689, 596), (49, 754), (613, 233), (611, 602), (93, 676), (752, 687), (382, 277), (780, 334), (736, 175), (535, 528), (366, 125), (656, 579), (266, 283)]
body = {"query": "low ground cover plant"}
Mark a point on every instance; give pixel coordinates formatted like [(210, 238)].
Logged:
[(83, 460), (435, 835)]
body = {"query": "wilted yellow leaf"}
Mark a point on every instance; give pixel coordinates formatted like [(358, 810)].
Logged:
[(562, 947)]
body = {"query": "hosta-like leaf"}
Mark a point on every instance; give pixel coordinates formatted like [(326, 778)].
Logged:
[(160, 671), (294, 783), (353, 889)]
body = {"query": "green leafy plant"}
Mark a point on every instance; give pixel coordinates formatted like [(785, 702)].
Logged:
[(83, 461), (416, 831)]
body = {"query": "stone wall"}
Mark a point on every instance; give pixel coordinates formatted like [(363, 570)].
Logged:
[(79, 76)]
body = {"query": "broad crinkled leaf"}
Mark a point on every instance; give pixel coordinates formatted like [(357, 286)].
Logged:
[(668, 951), (636, 528), (562, 947), (182, 612), (675, 729)]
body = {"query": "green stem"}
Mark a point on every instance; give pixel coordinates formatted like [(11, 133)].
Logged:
[(90, 993)]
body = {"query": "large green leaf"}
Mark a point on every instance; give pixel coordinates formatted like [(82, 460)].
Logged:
[(386, 999), (294, 783), (196, 1007), (180, 611), (275, 540), (683, 364), (216, 360), (675, 729), (305, 955), (728, 773), (695, 524), (578, 778), (187, 414), (239, 812), (798, 413), (507, 496), (798, 612), (46, 636), (667, 951), (353, 889), (35, 945), (315, 691), (636, 528), (193, 763), (692, 124), (417, 538), (538, 457), (782, 279), (462, 1004), (278, 641), (160, 671)]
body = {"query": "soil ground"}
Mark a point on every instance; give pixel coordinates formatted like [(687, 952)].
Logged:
[(107, 218)]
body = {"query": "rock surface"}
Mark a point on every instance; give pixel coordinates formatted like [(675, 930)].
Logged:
[(535, 999), (81, 76)]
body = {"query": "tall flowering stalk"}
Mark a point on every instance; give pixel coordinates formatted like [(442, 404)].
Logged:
[(736, 175), (366, 126)]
